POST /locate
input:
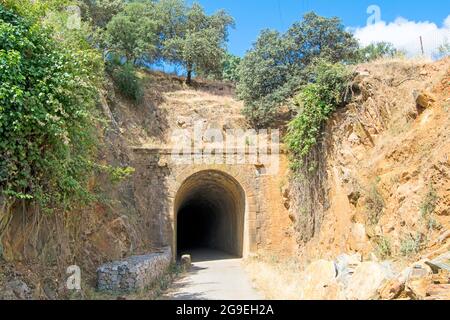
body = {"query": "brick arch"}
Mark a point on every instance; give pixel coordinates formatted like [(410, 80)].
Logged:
[(230, 171)]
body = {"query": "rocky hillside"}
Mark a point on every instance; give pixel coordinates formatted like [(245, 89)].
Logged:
[(386, 212)]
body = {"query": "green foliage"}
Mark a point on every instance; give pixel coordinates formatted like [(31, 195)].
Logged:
[(47, 97), (117, 174), (412, 245), (127, 81), (315, 103), (427, 208), (376, 51), (277, 65), (230, 68), (374, 205), (266, 78), (198, 43), (100, 12), (133, 32), (384, 247)]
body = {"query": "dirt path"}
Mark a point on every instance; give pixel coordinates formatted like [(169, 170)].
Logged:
[(213, 276)]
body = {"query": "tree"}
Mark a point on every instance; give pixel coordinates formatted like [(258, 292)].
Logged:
[(264, 73), (277, 65), (100, 12), (317, 36), (376, 51), (230, 68), (198, 42), (133, 32)]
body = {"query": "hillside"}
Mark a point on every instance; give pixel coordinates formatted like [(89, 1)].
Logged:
[(387, 188)]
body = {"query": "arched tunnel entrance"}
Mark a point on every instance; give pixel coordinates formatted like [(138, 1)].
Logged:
[(210, 213)]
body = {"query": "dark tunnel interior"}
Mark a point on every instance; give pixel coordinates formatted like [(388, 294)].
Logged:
[(210, 209)]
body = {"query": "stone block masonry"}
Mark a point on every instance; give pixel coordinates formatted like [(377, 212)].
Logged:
[(134, 273)]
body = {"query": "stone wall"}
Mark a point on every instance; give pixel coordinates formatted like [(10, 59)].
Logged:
[(157, 185), (134, 273)]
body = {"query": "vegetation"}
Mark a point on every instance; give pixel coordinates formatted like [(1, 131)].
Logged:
[(100, 12), (377, 51), (374, 204), (279, 64), (427, 208), (230, 68), (412, 245), (133, 32), (315, 103), (384, 247), (47, 98), (126, 80), (198, 43)]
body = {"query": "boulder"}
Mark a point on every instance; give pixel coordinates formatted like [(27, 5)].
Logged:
[(392, 289), (319, 281), (418, 280), (438, 292), (346, 266), (367, 279), (424, 100)]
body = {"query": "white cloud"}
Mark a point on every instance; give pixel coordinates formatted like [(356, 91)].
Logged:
[(405, 34)]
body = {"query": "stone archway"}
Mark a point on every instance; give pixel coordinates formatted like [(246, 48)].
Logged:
[(211, 211)]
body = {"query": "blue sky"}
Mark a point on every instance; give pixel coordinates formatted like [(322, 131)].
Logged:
[(421, 17)]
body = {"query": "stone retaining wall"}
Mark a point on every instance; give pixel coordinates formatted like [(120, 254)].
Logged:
[(134, 273)]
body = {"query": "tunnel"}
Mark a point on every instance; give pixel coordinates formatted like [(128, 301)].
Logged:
[(210, 210)]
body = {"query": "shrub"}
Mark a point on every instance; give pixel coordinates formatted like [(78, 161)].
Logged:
[(128, 82), (384, 247), (374, 204), (376, 51), (428, 206), (47, 113), (315, 104), (412, 245)]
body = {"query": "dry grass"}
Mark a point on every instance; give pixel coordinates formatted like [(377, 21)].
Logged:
[(277, 280)]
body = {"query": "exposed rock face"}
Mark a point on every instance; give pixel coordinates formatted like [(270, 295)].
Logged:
[(368, 277), (319, 277), (387, 167), (134, 273)]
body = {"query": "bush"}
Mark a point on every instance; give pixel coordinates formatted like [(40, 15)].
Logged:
[(427, 208), (377, 51), (47, 104), (384, 247), (375, 205), (127, 81), (315, 104), (412, 245), (278, 64)]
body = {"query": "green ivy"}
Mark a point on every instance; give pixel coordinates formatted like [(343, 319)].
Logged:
[(47, 102), (315, 103)]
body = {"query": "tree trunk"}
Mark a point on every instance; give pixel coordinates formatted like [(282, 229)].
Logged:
[(189, 77)]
